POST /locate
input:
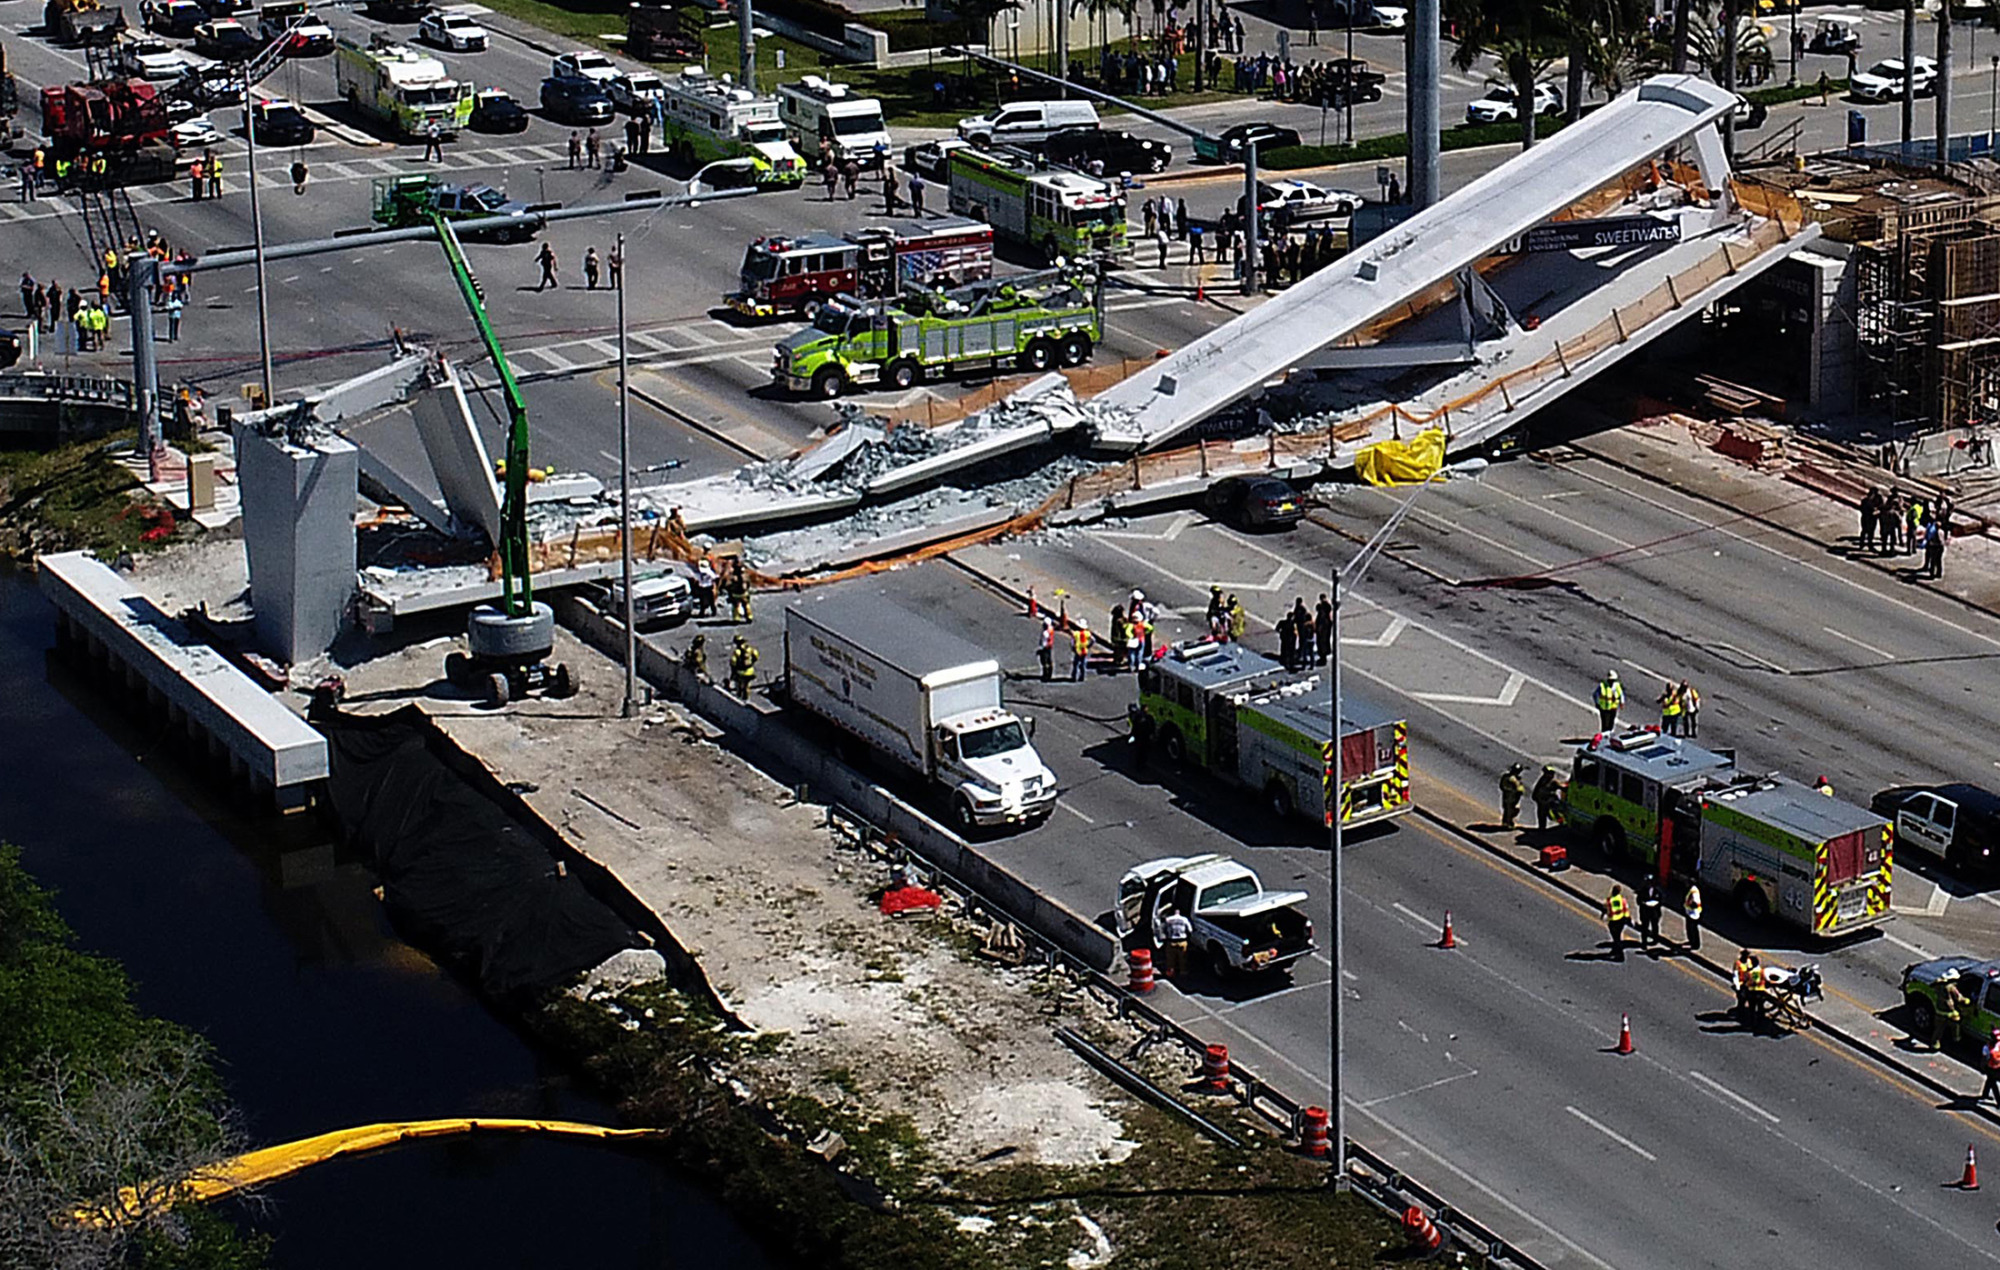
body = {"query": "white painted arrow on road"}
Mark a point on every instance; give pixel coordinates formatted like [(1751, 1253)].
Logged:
[(1515, 682), (1396, 627)]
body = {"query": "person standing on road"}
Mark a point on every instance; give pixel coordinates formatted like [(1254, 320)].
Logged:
[(742, 667), (916, 196), (1079, 650), (1616, 915), (616, 263), (1991, 1089), (213, 166), (1749, 973), (1175, 930), (1610, 696), (433, 143), (1512, 789), (738, 590), (575, 149), (1691, 917), (1160, 241), (696, 657), (705, 581), (1045, 649), (174, 309), (1149, 217), (891, 190), (1871, 513), (1690, 710), (1547, 796), (590, 268), (850, 178), (1934, 540), (547, 260), (1323, 629), (30, 293), (1947, 1018), (299, 174), (1239, 617), (1649, 914), (1670, 709), (1913, 533), (194, 181), (1893, 513)]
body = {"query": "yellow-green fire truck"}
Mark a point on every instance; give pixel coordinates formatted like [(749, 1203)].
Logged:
[(402, 88), (704, 118), (1776, 848), (1026, 321), (1063, 215), (1253, 723)]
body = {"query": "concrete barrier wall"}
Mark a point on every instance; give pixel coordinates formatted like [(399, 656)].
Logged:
[(759, 732)]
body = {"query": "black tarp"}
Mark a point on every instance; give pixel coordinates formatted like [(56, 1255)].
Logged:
[(463, 878)]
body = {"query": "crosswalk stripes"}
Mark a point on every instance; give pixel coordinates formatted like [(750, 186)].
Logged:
[(603, 348), (654, 342), (550, 356), (694, 335)]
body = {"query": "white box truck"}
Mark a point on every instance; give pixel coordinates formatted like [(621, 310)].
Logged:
[(927, 699)]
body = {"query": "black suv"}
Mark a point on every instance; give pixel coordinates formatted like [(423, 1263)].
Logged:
[(1118, 151), (494, 111), (279, 123), (1265, 136), (572, 99)]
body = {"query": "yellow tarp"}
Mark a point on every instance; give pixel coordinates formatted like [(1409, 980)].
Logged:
[(271, 1163), (1408, 462)]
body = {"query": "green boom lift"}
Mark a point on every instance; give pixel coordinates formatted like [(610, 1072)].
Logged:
[(510, 641)]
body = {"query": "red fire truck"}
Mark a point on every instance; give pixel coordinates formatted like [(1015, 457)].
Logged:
[(790, 273)]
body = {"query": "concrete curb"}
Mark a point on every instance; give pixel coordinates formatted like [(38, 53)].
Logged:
[(1887, 1058)]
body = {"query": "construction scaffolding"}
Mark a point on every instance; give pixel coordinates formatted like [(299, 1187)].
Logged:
[(1927, 315)]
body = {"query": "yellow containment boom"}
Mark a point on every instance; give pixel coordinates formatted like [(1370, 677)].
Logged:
[(268, 1164)]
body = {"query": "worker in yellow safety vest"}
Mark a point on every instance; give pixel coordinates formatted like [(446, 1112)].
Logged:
[(1616, 914), (1079, 642), (1749, 978), (1610, 696), (1670, 709)]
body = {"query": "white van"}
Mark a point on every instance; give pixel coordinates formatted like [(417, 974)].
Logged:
[(813, 110), (1027, 123)]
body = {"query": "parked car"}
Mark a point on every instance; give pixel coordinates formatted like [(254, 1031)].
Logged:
[(1239, 927), (1027, 123), (1884, 80), (1263, 135), (1957, 823), (584, 64), (1290, 198), (635, 92), (451, 29), (177, 18), (1117, 150), (1254, 502), (155, 61), (494, 110), (279, 123), (1978, 980), (1498, 105), (572, 99), (195, 134), (225, 40), (932, 159), (396, 10), (663, 599), (226, 8)]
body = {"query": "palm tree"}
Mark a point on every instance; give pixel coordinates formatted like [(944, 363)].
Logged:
[(1511, 31), (1601, 37)]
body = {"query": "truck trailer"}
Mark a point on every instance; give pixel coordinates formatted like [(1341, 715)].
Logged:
[(789, 273), (1245, 718), (1778, 849), (1027, 322), (924, 698)]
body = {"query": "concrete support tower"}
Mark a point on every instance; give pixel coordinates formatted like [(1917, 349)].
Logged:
[(1422, 110), (298, 534)]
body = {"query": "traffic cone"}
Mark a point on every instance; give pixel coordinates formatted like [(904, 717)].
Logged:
[(1200, 288), (1970, 1182), (1450, 939), (1625, 1034)]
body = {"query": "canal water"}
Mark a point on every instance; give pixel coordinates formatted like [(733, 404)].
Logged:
[(256, 935)]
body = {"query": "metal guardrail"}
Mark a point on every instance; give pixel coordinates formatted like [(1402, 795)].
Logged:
[(89, 389), (1370, 1177)]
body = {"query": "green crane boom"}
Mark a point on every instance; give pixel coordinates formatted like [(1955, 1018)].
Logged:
[(516, 587)]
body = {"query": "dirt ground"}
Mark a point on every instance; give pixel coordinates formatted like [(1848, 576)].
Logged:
[(875, 1016)]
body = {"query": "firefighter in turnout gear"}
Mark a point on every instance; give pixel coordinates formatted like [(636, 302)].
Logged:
[(697, 657), (1548, 795), (1616, 914), (1512, 789), (1947, 1018), (1749, 979), (1610, 696), (742, 667)]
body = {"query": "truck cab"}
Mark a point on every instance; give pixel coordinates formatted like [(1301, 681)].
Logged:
[(814, 110), (664, 599), (995, 774), (1239, 927), (1622, 786)]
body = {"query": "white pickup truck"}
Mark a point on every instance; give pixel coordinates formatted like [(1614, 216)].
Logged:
[(1239, 927)]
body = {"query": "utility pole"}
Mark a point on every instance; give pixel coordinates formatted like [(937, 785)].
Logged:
[(1731, 48), (1909, 75), (1422, 187), (257, 232), (746, 41), (1251, 214), (1350, 62), (1345, 580), (1943, 89), (143, 280), (625, 488)]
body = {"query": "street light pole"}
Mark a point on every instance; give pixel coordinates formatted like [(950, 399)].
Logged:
[(1992, 102), (257, 238), (1350, 72), (625, 488), (1345, 580), (1793, 82)]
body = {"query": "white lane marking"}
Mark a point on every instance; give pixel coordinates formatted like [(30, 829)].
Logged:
[(1766, 662), (1273, 996), (655, 343), (1614, 1135), (694, 336), (1909, 947), (1935, 906), (1651, 674), (1410, 913), (1467, 1074), (603, 348), (1717, 1087), (1074, 812), (1397, 626), (1563, 493), (1515, 681), (1885, 656)]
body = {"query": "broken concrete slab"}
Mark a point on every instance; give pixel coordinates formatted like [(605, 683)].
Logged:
[(457, 452)]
